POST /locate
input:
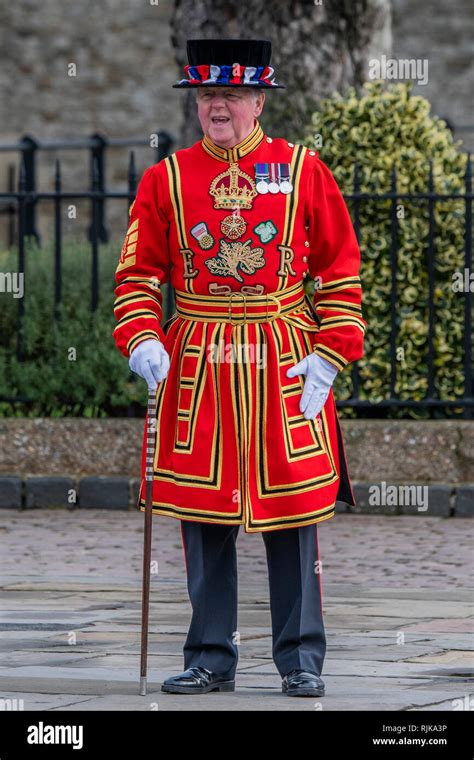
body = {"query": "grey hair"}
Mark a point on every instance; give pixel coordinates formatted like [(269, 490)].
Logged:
[(255, 91)]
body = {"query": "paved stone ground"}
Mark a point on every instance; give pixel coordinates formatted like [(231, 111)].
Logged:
[(397, 599)]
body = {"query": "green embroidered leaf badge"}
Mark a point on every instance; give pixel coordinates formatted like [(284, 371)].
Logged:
[(234, 256), (266, 231)]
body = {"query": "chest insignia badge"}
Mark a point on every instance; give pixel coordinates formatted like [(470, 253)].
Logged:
[(266, 231), (234, 225), (233, 189), (202, 235)]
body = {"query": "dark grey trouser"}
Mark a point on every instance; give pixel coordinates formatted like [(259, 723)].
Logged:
[(299, 639)]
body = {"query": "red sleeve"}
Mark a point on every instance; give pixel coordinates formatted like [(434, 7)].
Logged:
[(334, 262), (143, 266)]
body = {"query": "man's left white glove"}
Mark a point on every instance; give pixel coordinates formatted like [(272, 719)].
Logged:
[(151, 361), (320, 376)]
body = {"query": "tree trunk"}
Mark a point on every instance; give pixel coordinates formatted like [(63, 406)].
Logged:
[(317, 49)]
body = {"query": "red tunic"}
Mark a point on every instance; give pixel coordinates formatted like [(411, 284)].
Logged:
[(231, 444)]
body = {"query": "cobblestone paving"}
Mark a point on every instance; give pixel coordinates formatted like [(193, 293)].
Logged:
[(397, 600)]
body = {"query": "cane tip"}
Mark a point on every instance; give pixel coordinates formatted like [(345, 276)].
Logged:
[(143, 686)]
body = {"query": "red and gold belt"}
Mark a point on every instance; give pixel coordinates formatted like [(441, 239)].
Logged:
[(239, 307)]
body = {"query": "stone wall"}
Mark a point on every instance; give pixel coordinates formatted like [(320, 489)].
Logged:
[(42, 460), (125, 68), (434, 451), (442, 33), (124, 71)]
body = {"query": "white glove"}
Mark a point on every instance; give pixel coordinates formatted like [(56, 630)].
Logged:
[(151, 361), (320, 376)]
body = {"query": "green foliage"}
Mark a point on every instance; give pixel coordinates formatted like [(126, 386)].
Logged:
[(72, 365), (388, 127)]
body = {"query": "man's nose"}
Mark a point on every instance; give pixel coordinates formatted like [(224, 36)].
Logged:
[(218, 100)]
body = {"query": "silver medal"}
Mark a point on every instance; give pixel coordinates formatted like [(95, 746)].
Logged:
[(273, 187), (262, 187), (286, 187)]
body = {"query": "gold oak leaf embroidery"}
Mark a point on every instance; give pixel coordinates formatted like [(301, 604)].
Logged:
[(233, 256)]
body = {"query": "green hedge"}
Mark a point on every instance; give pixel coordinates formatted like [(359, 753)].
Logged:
[(381, 128), (98, 379)]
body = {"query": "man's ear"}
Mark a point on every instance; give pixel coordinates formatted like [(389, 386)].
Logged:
[(260, 100)]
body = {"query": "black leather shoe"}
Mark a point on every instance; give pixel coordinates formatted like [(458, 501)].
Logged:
[(197, 680), (301, 683)]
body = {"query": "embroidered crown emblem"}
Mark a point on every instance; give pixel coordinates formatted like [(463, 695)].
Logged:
[(233, 189)]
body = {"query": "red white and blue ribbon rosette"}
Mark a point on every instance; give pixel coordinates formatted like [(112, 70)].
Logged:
[(251, 76)]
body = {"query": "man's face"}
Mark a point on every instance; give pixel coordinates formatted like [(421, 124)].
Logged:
[(227, 114)]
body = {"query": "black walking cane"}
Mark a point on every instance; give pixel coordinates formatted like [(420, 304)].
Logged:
[(150, 450)]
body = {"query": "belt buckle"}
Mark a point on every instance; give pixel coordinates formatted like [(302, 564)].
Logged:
[(278, 303), (242, 296)]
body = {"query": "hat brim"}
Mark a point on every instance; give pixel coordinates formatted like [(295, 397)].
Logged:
[(188, 86)]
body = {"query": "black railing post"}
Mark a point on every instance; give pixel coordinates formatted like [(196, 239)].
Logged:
[(57, 241), (21, 259), (431, 282), (393, 294), (98, 152), (357, 202), (468, 376), (165, 143), (95, 239), (11, 210), (29, 150)]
